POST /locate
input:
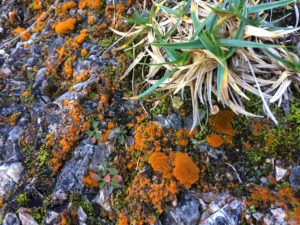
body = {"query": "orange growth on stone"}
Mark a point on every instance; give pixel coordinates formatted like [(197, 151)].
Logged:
[(182, 137), (24, 36), (222, 122), (65, 7), (214, 140), (66, 27), (91, 19), (257, 127), (186, 171), (160, 163), (37, 4), (123, 220), (89, 180), (96, 4), (84, 52), (12, 16)]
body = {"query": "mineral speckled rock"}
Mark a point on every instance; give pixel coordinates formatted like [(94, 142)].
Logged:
[(186, 212), (295, 177), (11, 219), (26, 218)]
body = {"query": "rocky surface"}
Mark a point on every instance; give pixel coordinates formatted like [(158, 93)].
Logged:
[(56, 169)]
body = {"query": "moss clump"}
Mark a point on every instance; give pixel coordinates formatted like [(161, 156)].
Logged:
[(39, 214), (22, 199)]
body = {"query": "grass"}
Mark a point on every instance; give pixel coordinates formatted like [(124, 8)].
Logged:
[(222, 50)]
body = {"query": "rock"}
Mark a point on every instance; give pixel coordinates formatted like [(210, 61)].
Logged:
[(51, 216), (72, 174), (280, 173), (279, 214), (11, 219), (208, 196), (295, 177), (230, 214), (258, 216), (100, 155), (213, 207), (272, 220), (15, 133), (103, 201), (26, 218), (186, 212), (170, 121), (81, 215), (6, 184), (13, 170), (59, 41), (59, 198)]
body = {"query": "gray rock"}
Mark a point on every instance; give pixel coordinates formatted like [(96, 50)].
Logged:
[(174, 121), (280, 173), (101, 200), (59, 198), (74, 170), (11, 219), (230, 214), (272, 220), (6, 184), (13, 170), (51, 216), (186, 212), (100, 155), (295, 177), (81, 215), (26, 218), (15, 133), (59, 41), (258, 216), (279, 214)]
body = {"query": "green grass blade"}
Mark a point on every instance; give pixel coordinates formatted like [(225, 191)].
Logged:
[(172, 29), (181, 45), (169, 10), (270, 5), (275, 21), (154, 86), (159, 64), (282, 60), (223, 42), (220, 74)]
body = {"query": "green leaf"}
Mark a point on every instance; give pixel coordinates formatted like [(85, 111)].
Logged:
[(101, 184), (169, 10), (95, 125), (98, 135), (220, 74), (181, 45), (270, 5), (118, 130), (121, 139), (224, 42), (114, 184), (154, 86), (113, 171), (275, 21)]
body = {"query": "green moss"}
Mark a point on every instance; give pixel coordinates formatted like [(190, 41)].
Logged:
[(22, 199), (39, 214), (87, 208)]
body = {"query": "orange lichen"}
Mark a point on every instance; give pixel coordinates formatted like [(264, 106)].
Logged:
[(65, 27), (172, 187), (222, 122), (123, 220), (12, 16), (214, 140), (65, 7), (186, 171), (80, 38), (270, 139), (257, 127), (96, 4), (83, 52), (37, 4), (91, 20), (248, 145), (89, 180), (140, 118), (182, 137), (24, 36), (160, 163)]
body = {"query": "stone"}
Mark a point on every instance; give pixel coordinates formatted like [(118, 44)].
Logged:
[(51, 216), (258, 216), (13, 170), (81, 215), (26, 218), (279, 214), (272, 220), (186, 212), (170, 121), (100, 155), (11, 219), (295, 177), (6, 184), (73, 171), (230, 214), (280, 173), (59, 198), (103, 201)]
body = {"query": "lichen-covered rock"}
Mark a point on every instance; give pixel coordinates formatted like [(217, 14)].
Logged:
[(26, 218), (295, 177), (11, 219), (186, 212)]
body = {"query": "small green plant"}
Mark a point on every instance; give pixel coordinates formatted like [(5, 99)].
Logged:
[(109, 179), (95, 134), (220, 53), (120, 136), (22, 199)]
